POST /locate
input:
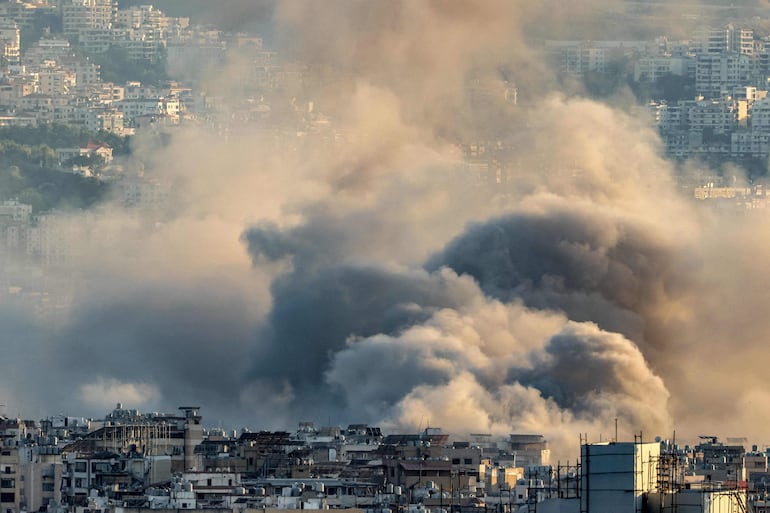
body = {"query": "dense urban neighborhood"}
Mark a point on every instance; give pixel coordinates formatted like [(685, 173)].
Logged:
[(391, 213), (131, 461)]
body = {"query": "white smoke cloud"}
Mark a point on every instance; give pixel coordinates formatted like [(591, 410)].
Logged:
[(494, 367), (105, 393)]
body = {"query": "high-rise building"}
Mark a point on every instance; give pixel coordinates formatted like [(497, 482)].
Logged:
[(80, 16), (725, 39)]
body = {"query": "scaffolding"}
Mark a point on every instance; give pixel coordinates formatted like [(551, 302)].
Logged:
[(638, 471), (568, 480), (543, 486), (584, 481)]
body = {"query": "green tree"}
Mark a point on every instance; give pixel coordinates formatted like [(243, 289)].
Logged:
[(118, 67), (63, 136)]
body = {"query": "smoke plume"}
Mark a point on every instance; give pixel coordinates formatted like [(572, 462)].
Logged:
[(368, 274)]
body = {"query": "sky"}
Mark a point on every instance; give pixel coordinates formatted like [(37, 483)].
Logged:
[(378, 282)]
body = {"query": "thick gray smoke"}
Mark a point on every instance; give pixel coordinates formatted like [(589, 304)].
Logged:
[(592, 264)]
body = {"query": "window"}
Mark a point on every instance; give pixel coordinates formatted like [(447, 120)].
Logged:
[(80, 466), (455, 461), (7, 483), (469, 461), (47, 487), (8, 497)]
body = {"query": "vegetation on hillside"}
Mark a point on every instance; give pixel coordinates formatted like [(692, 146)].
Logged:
[(29, 168), (117, 67)]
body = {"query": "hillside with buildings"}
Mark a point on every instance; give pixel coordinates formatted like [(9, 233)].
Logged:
[(518, 221)]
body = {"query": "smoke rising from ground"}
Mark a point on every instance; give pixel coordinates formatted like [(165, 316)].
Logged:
[(378, 281)]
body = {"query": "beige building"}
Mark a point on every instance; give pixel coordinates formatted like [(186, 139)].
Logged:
[(10, 42), (10, 480), (41, 475), (80, 16), (56, 81)]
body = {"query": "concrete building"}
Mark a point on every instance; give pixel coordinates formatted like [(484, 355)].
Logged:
[(717, 74), (617, 475), (141, 16), (10, 478), (23, 13), (719, 116), (652, 68), (55, 81), (529, 450), (41, 473), (577, 56), (750, 143), (585, 56), (10, 43), (81, 16), (134, 108), (754, 462), (699, 501), (718, 462), (730, 38), (759, 115)]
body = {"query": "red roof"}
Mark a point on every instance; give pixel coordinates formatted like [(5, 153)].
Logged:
[(95, 146)]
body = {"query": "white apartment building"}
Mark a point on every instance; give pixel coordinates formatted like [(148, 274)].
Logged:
[(10, 479), (56, 81), (97, 40), (10, 43), (41, 474), (46, 49), (577, 56), (141, 16), (759, 115), (717, 75), (133, 108), (650, 69), (86, 72), (583, 56), (52, 240), (729, 38), (720, 116), (616, 475), (750, 143), (79, 16), (22, 13), (12, 209), (671, 116)]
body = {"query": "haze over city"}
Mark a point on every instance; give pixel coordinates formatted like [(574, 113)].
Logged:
[(406, 214)]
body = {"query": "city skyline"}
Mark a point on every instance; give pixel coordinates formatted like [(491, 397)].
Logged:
[(467, 213)]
